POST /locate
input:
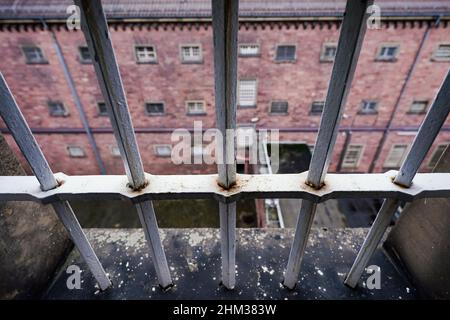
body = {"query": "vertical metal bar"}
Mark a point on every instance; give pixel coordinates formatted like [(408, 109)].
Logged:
[(18, 127), (350, 40), (225, 29), (95, 29), (423, 141)]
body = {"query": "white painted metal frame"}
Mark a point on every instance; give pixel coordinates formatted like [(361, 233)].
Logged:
[(95, 29), (226, 187), (350, 40)]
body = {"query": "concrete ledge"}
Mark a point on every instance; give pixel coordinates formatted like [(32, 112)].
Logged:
[(194, 260)]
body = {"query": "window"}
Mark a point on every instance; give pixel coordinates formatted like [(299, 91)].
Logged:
[(145, 54), (33, 55), (85, 56), (76, 152), (387, 52), (279, 107), (368, 107), (57, 109), (163, 150), (437, 155), (115, 151), (396, 155), (328, 52), (102, 110), (352, 156), (195, 107), (249, 50), (191, 53), (285, 53), (442, 52), (247, 93), (317, 107), (418, 107), (154, 108)]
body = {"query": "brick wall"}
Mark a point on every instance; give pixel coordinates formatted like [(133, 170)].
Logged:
[(300, 83)]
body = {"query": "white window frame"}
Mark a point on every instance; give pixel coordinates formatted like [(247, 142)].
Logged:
[(247, 104), (192, 58), (436, 57), (314, 113), (189, 112), (145, 59), (158, 154), (323, 57), (388, 58), (249, 55), (388, 163), (72, 155), (355, 164), (363, 103)]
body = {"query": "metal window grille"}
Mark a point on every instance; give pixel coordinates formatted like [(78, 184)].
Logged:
[(145, 54), (442, 52), (279, 107), (227, 187), (248, 50), (352, 156), (247, 93), (317, 107)]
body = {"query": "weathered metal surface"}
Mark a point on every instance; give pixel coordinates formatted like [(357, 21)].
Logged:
[(373, 185), (348, 49), (95, 29), (195, 263), (435, 118), (11, 114), (225, 35)]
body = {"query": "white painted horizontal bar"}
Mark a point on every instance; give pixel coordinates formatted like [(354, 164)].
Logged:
[(376, 185)]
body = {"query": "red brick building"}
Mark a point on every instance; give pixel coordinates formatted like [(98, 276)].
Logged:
[(165, 54)]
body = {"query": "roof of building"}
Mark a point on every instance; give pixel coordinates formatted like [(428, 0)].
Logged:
[(56, 9)]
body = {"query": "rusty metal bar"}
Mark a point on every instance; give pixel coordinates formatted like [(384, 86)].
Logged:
[(95, 29), (431, 125), (225, 30), (14, 120), (350, 41)]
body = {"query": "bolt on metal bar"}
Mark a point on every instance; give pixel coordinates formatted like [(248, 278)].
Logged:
[(14, 120), (95, 29), (225, 30), (423, 141), (349, 46)]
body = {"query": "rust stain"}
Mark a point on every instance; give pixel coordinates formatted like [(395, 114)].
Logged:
[(140, 188)]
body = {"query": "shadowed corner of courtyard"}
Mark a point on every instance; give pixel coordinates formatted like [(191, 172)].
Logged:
[(185, 213)]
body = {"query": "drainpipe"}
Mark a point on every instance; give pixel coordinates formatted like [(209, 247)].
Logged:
[(387, 130), (77, 100), (348, 136)]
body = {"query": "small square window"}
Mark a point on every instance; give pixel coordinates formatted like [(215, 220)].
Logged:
[(279, 107), (396, 156), (115, 151), (154, 108), (285, 53), (57, 109), (387, 52), (437, 153), (352, 156), (368, 107), (328, 52), (442, 53), (76, 152), (195, 107), (418, 107), (145, 54), (249, 50), (163, 150), (85, 56), (247, 93), (102, 109), (191, 53), (317, 107), (33, 55)]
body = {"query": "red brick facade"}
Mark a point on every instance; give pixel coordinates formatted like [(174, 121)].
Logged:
[(300, 83)]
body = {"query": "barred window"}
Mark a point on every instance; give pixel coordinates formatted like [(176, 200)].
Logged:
[(249, 50), (285, 53), (317, 107), (247, 93), (352, 156), (279, 107), (442, 52)]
